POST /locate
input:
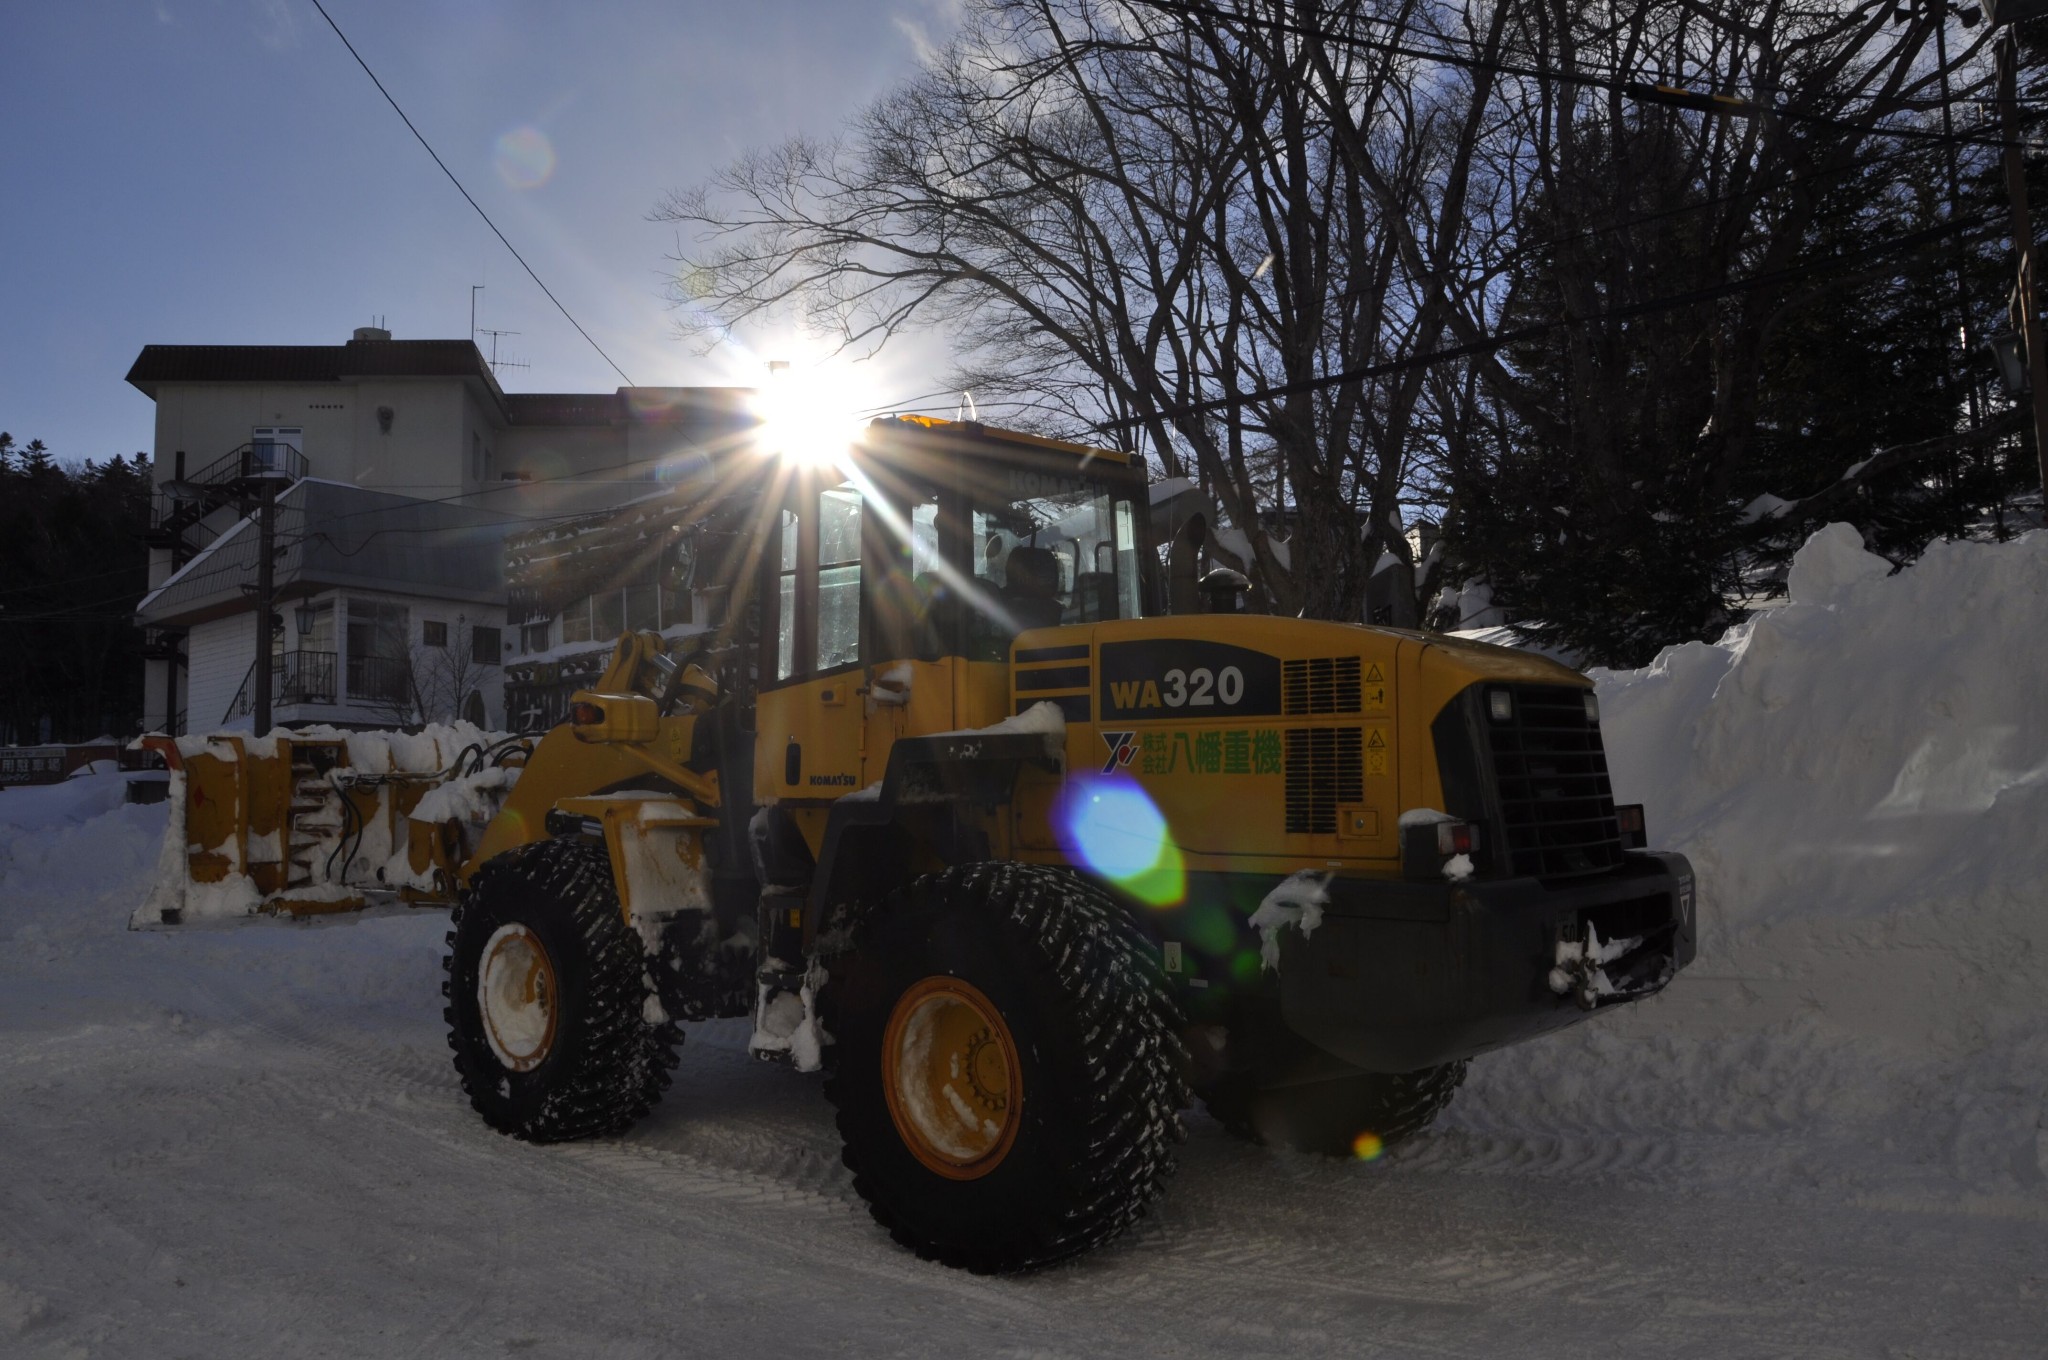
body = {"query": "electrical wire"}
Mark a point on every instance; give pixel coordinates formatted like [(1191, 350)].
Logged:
[(464, 192)]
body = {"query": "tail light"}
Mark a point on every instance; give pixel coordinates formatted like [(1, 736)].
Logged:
[(1426, 847), (1456, 838), (1635, 833), (585, 715)]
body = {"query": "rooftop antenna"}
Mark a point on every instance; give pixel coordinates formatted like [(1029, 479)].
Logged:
[(474, 289), (495, 362)]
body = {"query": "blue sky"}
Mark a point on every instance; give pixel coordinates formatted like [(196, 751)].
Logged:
[(222, 172)]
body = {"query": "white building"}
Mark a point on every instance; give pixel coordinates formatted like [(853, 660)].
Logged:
[(397, 466)]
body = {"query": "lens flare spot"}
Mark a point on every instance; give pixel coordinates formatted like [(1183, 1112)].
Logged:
[(1367, 1146), (525, 157), (1113, 827)]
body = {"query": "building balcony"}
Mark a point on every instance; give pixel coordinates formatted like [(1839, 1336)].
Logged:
[(296, 678)]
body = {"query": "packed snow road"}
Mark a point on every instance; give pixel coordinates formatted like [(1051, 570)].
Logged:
[(197, 1167), (1825, 1139)]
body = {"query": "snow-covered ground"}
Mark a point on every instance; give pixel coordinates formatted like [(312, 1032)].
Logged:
[(1825, 1139)]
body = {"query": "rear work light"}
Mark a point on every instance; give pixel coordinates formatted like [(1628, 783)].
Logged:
[(1635, 833), (585, 715), (1592, 707), (1501, 704)]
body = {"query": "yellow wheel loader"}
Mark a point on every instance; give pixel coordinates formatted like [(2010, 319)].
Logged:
[(953, 814)]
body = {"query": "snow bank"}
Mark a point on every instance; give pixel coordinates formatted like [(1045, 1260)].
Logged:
[(93, 790), (72, 855), (1860, 778)]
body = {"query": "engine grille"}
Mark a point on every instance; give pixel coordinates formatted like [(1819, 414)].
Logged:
[(1323, 684), (1325, 767), (1556, 803)]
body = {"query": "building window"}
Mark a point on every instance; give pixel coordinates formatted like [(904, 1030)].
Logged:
[(576, 621), (379, 662), (434, 633), (486, 645), (643, 604), (535, 637), (675, 604)]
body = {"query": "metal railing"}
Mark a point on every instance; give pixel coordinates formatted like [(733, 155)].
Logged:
[(379, 679), (297, 678), (256, 461), (182, 503)]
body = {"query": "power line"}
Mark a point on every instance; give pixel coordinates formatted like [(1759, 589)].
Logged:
[(464, 192)]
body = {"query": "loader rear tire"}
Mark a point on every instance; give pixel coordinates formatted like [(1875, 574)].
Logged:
[(1359, 1115), (1009, 1078), (548, 998)]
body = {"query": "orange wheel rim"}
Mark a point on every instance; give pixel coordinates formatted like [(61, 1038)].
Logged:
[(518, 996), (951, 1075)]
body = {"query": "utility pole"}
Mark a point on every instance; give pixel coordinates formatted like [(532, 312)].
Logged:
[(266, 600), (2007, 44)]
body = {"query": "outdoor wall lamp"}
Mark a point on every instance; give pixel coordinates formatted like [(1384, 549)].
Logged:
[(384, 415)]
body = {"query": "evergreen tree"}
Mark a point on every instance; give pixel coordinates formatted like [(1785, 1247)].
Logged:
[(72, 569)]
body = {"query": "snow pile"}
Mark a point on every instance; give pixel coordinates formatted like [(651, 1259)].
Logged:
[(72, 857), (431, 749), (1860, 778), (473, 799)]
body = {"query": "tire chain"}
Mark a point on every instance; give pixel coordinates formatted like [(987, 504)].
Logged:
[(626, 1062), (1130, 1033)]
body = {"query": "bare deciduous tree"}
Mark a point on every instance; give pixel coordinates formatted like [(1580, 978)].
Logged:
[(436, 684), (1130, 221)]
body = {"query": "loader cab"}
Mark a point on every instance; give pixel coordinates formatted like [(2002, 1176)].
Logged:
[(898, 577)]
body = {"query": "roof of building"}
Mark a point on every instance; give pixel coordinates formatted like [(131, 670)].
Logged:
[(710, 409), (713, 409), (334, 535), (158, 364)]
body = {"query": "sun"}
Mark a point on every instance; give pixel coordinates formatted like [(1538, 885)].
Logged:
[(808, 413)]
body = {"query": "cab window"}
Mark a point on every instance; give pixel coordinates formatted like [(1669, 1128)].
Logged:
[(1056, 550), (839, 520)]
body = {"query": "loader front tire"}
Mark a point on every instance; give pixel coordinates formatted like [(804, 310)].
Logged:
[(1009, 1078), (1357, 1115), (548, 994)]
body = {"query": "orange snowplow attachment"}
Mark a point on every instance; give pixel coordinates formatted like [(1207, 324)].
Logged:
[(302, 824)]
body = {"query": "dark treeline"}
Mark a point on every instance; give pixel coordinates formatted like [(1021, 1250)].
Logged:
[(72, 568), (1242, 237)]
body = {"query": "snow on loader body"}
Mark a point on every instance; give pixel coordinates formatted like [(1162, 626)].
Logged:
[(948, 811)]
